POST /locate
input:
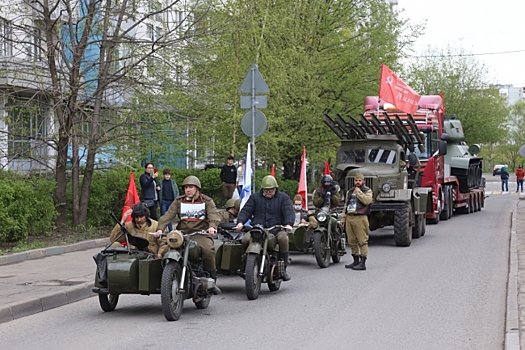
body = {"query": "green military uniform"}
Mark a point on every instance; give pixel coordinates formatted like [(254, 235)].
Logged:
[(142, 231), (356, 223), (193, 214), (318, 199)]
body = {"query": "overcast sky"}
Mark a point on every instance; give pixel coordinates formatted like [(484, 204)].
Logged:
[(480, 27)]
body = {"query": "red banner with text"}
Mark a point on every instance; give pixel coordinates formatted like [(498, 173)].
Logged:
[(395, 91)]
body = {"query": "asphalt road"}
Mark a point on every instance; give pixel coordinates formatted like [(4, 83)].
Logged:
[(446, 291)]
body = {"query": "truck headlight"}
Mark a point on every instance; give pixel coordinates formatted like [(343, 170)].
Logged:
[(321, 216), (386, 187)]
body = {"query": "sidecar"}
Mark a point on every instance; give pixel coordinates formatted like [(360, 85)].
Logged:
[(300, 239), (125, 271), (228, 258)]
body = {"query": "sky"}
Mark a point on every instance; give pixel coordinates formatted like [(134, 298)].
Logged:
[(479, 27)]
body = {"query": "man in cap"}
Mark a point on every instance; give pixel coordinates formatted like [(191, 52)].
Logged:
[(194, 212), (355, 219)]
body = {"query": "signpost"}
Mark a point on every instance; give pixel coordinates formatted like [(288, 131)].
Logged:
[(253, 124)]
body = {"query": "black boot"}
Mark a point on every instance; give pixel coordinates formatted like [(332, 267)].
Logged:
[(214, 290), (355, 263), (286, 276), (361, 266)]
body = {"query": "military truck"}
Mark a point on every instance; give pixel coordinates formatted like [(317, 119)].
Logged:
[(377, 146)]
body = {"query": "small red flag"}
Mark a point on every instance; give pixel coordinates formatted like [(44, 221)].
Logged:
[(327, 168), (302, 180), (273, 171), (132, 196), (395, 91)]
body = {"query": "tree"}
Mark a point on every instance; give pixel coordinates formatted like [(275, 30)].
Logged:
[(316, 57), (93, 66), (467, 92)]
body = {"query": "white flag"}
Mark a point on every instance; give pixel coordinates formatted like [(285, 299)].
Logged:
[(247, 179)]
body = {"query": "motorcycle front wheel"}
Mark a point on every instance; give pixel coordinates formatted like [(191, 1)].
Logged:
[(252, 279), (276, 282), (108, 302), (172, 299), (322, 255)]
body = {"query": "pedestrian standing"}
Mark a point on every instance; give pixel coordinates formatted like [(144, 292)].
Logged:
[(520, 174), (228, 177), (168, 192), (504, 179), (148, 189), (355, 220)]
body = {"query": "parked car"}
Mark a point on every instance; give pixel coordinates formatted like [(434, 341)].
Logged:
[(497, 169)]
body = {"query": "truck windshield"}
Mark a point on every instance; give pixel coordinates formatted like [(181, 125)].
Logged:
[(430, 146), (351, 156), (387, 156)]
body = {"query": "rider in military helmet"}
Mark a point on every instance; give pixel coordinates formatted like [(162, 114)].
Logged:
[(140, 226), (328, 186), (193, 212), (269, 207), (231, 210)]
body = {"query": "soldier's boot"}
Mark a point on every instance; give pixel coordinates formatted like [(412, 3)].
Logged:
[(214, 290), (361, 266), (284, 256), (355, 263)]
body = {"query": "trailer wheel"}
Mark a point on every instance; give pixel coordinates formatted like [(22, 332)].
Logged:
[(471, 203), (417, 229), (445, 213), (402, 231)]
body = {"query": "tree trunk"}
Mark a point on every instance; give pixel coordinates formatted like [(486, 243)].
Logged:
[(60, 196)]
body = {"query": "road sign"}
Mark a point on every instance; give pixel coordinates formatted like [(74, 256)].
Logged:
[(254, 79), (522, 151), (260, 101), (261, 123)]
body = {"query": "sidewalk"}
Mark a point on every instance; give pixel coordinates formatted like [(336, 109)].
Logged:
[(42, 279)]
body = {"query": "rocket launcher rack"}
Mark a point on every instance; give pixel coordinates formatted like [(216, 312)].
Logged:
[(370, 126)]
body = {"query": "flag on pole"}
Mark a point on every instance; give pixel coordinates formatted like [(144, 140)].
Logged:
[(132, 196), (302, 181), (273, 171), (327, 168), (247, 184), (395, 91)]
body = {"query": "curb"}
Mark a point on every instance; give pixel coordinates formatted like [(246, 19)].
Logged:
[(21, 309), (512, 335), (49, 251)]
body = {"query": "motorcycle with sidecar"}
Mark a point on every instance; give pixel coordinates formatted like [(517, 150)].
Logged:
[(178, 275), (257, 263), (328, 239)]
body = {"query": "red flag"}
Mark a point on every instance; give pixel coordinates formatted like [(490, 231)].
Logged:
[(302, 181), (442, 101), (327, 168), (132, 197), (273, 171), (395, 91)]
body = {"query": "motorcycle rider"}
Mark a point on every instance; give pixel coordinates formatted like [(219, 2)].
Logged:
[(355, 218), (327, 186), (269, 207), (195, 212), (140, 225), (231, 211)]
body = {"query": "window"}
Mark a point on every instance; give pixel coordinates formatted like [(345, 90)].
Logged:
[(154, 33), (26, 124), (33, 45), (5, 38)]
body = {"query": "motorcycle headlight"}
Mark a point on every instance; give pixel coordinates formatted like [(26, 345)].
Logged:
[(321, 216), (175, 239), (386, 187)]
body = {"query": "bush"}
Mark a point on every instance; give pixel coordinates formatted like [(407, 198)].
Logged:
[(26, 208)]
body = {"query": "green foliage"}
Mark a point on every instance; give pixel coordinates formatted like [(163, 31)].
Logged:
[(26, 206)]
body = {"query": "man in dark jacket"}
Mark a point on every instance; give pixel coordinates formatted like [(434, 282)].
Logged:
[(269, 207), (504, 179), (229, 178), (148, 187)]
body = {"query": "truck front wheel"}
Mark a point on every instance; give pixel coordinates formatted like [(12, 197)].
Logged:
[(402, 231)]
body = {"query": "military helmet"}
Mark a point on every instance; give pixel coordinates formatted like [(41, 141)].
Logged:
[(327, 181), (230, 203), (175, 239), (140, 209), (269, 182), (192, 180)]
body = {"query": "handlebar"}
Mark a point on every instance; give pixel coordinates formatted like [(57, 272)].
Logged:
[(247, 228)]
